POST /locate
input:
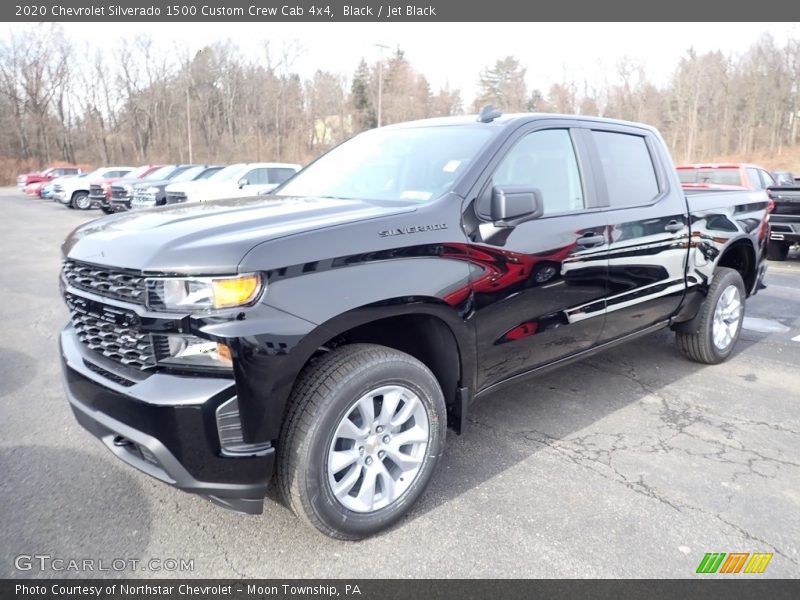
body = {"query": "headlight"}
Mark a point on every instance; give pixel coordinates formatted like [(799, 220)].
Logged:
[(202, 293), (191, 351), (152, 190)]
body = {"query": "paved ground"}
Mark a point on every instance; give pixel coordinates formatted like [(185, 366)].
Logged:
[(632, 464)]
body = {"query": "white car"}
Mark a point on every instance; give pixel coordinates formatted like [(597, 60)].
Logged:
[(234, 181), (74, 192)]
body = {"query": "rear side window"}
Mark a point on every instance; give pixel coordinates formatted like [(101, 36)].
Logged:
[(752, 177), (628, 168), (280, 174)]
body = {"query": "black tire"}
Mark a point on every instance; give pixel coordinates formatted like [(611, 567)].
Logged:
[(107, 210), (81, 201), (699, 346), (777, 250), (323, 395)]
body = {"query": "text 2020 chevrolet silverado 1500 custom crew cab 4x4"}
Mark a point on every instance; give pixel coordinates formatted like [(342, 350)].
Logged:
[(327, 335)]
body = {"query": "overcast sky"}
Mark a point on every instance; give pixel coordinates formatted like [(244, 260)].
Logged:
[(454, 53)]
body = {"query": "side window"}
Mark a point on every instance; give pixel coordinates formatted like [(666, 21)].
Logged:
[(752, 177), (279, 175), (628, 168), (545, 160), (256, 176), (767, 179)]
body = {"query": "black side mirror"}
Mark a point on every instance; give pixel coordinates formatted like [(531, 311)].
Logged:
[(515, 204)]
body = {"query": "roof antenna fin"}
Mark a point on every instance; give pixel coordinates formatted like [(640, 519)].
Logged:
[(489, 113)]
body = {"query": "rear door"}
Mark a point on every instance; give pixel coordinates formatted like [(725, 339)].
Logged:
[(647, 228), (538, 288)]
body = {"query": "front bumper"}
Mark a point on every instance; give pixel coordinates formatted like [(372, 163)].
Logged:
[(164, 425), (120, 204), (97, 199)]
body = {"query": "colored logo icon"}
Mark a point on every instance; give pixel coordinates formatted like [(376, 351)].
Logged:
[(734, 562)]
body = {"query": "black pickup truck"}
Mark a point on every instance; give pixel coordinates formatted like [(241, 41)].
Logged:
[(784, 220), (323, 339)]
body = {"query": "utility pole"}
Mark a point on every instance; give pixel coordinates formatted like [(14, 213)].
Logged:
[(189, 122), (380, 82)]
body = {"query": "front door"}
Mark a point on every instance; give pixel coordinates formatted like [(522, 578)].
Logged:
[(540, 287)]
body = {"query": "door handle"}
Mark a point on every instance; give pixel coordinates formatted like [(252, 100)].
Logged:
[(673, 226), (590, 240)]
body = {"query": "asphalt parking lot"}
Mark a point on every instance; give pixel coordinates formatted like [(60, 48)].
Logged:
[(634, 463)]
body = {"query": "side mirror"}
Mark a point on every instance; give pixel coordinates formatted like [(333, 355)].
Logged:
[(515, 204), (243, 182)]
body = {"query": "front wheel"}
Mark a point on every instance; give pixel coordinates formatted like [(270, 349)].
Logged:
[(81, 201), (720, 320), (364, 430)]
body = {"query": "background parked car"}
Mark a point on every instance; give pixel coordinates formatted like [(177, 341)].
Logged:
[(100, 190), (74, 193), (153, 193), (751, 177), (45, 175), (48, 189), (241, 179), (35, 188), (784, 177), (122, 191)]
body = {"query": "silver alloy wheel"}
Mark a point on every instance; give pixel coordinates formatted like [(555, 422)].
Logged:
[(378, 448), (82, 201), (726, 317)]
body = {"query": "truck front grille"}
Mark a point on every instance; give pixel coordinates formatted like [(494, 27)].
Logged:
[(142, 199), (96, 191), (103, 281), (119, 193), (124, 345)]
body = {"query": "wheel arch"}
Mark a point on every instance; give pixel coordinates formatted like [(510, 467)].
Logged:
[(426, 328), (741, 256)]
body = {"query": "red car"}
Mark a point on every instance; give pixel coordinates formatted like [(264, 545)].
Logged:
[(48, 174), (725, 176), (35, 189), (100, 190)]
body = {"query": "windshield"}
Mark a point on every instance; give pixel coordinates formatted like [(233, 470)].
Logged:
[(419, 163), (229, 172), (189, 174), (161, 173), (209, 171), (138, 173)]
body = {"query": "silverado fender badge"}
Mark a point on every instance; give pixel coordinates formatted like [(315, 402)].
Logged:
[(412, 229)]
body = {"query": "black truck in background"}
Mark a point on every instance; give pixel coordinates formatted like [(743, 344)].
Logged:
[(784, 220), (323, 339)]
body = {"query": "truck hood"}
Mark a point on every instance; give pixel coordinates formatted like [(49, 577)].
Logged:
[(213, 237), (152, 183)]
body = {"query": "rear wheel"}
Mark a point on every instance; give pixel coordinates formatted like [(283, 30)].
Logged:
[(720, 320), (81, 200), (777, 250), (364, 431)]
